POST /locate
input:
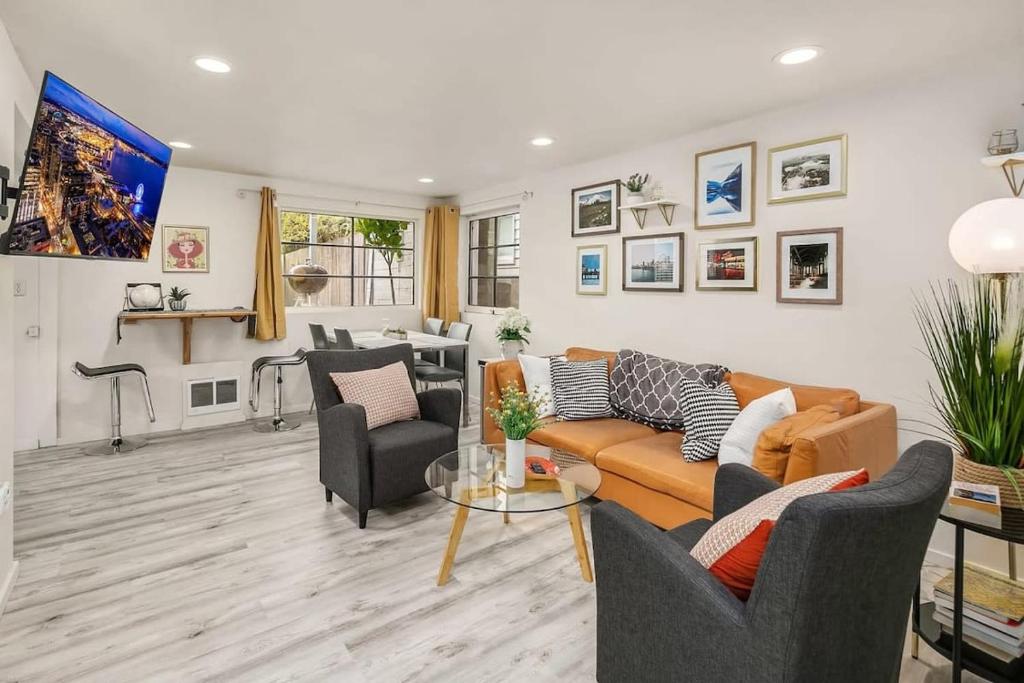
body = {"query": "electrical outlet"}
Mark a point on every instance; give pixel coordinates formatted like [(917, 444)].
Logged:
[(5, 496), (20, 288)]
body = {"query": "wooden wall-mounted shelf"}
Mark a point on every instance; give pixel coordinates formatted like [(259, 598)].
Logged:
[(186, 318)]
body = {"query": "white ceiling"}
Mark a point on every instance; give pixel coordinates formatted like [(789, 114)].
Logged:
[(378, 93)]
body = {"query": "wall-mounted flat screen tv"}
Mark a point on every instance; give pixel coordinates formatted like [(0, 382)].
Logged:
[(91, 184)]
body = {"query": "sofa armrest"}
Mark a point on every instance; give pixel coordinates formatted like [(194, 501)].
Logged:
[(442, 405), (649, 591), (867, 439), (497, 375), (736, 485), (345, 453)]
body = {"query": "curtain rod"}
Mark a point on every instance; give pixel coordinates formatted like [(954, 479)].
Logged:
[(522, 196), (242, 192)]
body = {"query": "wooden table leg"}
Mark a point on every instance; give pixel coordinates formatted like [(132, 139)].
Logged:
[(186, 341), (507, 520), (576, 524), (454, 536)]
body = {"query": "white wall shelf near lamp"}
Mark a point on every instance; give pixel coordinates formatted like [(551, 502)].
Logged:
[(639, 210), (1009, 164)]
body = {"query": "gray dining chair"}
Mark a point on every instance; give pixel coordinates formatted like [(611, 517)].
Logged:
[(454, 368), (343, 340), (319, 334), (432, 326)]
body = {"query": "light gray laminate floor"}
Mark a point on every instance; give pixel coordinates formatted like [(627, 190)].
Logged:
[(212, 555)]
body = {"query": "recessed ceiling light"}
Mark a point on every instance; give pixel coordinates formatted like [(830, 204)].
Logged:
[(541, 141), (178, 144), (798, 55), (212, 64), (426, 180)]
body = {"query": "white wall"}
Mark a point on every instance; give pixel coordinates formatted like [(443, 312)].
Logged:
[(16, 93), (91, 293), (913, 168)]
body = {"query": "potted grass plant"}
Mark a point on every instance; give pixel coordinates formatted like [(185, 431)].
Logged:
[(974, 336), (177, 299), (635, 184), (517, 415)]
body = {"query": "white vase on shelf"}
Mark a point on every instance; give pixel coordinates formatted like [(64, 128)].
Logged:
[(635, 198), (511, 348), (515, 463)]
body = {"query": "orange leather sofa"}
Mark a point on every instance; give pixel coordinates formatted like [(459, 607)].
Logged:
[(643, 469)]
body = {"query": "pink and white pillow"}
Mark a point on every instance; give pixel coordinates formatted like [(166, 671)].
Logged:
[(386, 393), (734, 545)]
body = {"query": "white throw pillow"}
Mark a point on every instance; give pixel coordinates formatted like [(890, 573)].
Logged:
[(739, 441), (537, 374)]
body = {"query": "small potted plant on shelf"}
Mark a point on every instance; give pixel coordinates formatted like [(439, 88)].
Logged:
[(176, 299), (516, 416), (511, 332), (974, 336), (635, 184)]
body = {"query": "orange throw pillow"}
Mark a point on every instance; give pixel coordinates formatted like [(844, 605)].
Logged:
[(734, 545), (771, 454)]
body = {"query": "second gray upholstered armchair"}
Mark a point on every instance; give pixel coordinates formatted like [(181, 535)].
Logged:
[(831, 598), (370, 468)]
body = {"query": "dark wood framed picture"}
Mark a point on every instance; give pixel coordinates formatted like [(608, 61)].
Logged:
[(725, 186), (727, 265), (809, 266), (595, 209), (653, 263)]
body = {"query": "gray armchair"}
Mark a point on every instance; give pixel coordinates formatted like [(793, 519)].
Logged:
[(830, 602), (370, 468)]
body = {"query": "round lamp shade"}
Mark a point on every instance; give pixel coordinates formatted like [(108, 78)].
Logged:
[(989, 237)]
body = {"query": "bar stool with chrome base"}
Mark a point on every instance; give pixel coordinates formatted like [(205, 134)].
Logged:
[(278, 423), (114, 373)]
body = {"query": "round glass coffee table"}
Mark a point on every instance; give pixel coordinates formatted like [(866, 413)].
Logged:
[(474, 477)]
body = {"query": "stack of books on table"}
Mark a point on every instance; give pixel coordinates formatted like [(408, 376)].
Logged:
[(993, 612)]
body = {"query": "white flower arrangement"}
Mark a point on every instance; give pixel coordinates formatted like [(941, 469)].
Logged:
[(513, 326)]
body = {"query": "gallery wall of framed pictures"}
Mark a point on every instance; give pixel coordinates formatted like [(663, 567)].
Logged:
[(808, 263)]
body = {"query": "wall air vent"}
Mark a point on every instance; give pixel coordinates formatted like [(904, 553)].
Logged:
[(212, 395)]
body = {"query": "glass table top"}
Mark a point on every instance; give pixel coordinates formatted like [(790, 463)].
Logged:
[(474, 477)]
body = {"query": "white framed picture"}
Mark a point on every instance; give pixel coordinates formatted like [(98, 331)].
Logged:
[(595, 209), (814, 169), (728, 264), (592, 269), (653, 263), (809, 266), (723, 195)]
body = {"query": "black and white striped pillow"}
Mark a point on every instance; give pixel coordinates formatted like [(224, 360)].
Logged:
[(580, 389), (707, 414)]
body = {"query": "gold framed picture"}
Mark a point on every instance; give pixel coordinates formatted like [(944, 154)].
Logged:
[(724, 187), (727, 265), (592, 269), (809, 266), (186, 249), (814, 169)]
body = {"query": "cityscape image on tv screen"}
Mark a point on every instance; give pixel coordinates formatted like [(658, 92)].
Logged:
[(91, 184)]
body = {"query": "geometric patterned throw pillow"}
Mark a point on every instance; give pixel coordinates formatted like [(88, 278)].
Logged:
[(707, 414), (734, 545), (386, 393), (580, 389)]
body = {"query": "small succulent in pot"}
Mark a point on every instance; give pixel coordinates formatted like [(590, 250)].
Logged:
[(635, 184), (176, 298)]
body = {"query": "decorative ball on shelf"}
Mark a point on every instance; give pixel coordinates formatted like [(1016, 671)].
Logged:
[(989, 237), (144, 296), (305, 278)]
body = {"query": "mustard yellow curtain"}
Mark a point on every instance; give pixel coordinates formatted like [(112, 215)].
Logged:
[(441, 264), (268, 300)]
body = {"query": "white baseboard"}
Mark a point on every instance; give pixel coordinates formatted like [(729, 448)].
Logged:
[(939, 558), (8, 586)]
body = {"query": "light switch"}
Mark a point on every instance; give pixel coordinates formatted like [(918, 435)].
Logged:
[(32, 331), (20, 288), (5, 496)]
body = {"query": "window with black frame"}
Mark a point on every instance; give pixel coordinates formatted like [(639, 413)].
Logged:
[(332, 260), (494, 261)]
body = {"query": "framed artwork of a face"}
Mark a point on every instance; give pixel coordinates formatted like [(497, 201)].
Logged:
[(595, 209), (809, 266), (723, 195), (592, 269), (728, 264), (653, 263), (807, 170), (186, 249)]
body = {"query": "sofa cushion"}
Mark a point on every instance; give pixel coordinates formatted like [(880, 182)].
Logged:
[(747, 387), (401, 452), (708, 413), (771, 454), (739, 442), (654, 462), (586, 437), (578, 353), (580, 388)]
